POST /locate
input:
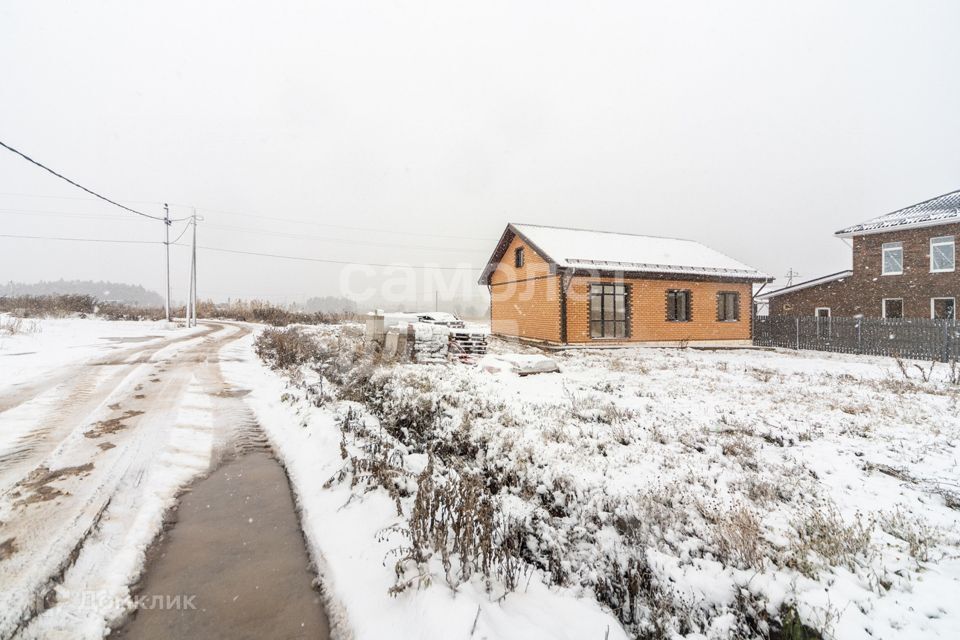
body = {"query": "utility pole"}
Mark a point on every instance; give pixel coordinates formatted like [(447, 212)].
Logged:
[(193, 274), (166, 227), (791, 274)]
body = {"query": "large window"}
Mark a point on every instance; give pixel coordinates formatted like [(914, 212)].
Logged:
[(678, 305), (942, 254), (892, 258), (728, 306), (943, 308), (893, 308), (608, 311)]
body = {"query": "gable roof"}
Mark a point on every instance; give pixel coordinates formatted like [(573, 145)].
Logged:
[(607, 251), (940, 210), (840, 275)]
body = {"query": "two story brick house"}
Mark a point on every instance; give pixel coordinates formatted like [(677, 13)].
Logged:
[(573, 286), (904, 266)]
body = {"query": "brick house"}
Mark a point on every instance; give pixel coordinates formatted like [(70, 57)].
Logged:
[(904, 266), (572, 286)]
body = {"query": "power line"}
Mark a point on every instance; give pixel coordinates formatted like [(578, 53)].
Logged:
[(185, 227), (77, 185), (81, 216), (248, 253), (10, 235), (343, 262), (340, 226), (264, 217), (64, 214), (276, 219), (337, 240)]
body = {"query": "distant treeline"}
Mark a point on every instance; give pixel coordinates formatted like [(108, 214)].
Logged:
[(75, 305), (104, 291)]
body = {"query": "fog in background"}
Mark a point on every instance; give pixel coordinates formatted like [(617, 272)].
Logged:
[(757, 128)]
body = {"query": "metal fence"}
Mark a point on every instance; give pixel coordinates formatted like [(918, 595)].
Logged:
[(916, 338)]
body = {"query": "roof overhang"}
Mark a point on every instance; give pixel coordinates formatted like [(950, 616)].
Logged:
[(627, 269), (505, 239), (843, 233), (833, 277)]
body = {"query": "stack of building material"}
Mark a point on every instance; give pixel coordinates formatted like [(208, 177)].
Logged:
[(430, 342), (467, 343)]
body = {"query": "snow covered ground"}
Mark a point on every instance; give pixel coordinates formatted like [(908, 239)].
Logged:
[(352, 544), (634, 493), (695, 493)]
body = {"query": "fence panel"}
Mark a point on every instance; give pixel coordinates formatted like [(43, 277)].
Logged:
[(915, 338)]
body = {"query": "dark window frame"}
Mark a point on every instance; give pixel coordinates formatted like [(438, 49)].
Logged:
[(607, 319), (722, 297), (518, 257), (679, 305)]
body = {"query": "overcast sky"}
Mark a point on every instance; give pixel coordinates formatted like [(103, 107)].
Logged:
[(757, 128)]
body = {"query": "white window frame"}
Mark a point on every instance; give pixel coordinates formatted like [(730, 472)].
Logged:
[(933, 306), (943, 240), (820, 325), (889, 247), (883, 308)]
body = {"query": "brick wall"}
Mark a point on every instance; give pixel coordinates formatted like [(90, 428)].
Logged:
[(864, 291), (648, 310), (525, 302)]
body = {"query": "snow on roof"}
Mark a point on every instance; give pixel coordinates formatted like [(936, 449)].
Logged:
[(608, 251), (840, 275), (940, 210)]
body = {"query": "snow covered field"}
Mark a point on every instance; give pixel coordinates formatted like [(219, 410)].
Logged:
[(635, 493), (679, 492)]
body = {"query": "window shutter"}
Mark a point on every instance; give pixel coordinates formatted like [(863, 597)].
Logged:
[(736, 306), (720, 308), (688, 301)]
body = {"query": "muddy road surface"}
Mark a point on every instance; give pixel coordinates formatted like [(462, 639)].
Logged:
[(102, 449)]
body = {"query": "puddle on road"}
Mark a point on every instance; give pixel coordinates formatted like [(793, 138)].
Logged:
[(236, 546)]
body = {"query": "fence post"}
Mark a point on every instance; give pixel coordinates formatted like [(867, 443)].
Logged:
[(859, 335), (798, 333), (945, 351)]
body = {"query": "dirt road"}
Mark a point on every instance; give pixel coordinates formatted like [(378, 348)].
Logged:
[(104, 446)]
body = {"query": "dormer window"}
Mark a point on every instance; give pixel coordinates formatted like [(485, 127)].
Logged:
[(942, 254), (892, 258), (518, 257)]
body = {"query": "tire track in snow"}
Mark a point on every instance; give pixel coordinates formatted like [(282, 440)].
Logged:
[(48, 521)]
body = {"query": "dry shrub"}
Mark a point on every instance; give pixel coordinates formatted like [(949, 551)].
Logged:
[(378, 464), (14, 326), (286, 348), (57, 306), (821, 532), (762, 373), (738, 538), (455, 518), (919, 535)]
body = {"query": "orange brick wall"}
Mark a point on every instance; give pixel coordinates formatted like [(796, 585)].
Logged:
[(525, 302), (648, 315)]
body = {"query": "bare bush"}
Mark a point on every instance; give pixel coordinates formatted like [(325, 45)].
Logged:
[(739, 540), (13, 326), (821, 532), (919, 535), (56, 306), (455, 518), (285, 348)]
